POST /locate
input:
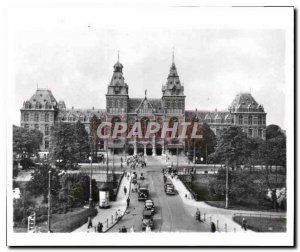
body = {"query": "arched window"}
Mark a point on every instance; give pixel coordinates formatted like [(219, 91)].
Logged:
[(36, 126), (240, 119), (27, 105), (46, 117), (259, 120), (131, 122), (38, 105), (114, 120), (250, 120), (159, 121), (26, 117), (46, 130), (144, 125), (172, 123), (260, 133), (36, 117), (250, 132)]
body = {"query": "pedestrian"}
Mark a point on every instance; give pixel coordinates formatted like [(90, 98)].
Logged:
[(198, 215), (125, 190), (213, 227), (90, 224), (132, 229), (148, 229), (124, 229), (128, 202), (99, 227), (244, 224)]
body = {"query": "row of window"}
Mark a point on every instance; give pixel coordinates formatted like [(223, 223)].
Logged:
[(250, 120), (174, 111), (37, 105), (116, 110), (259, 109), (37, 117), (250, 132), (37, 127), (174, 104), (219, 120), (116, 103)]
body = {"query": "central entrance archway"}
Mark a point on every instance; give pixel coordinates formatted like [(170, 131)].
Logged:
[(158, 149), (149, 151), (130, 150), (140, 148)]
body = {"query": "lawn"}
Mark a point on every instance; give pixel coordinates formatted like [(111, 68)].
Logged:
[(263, 224), (65, 223)]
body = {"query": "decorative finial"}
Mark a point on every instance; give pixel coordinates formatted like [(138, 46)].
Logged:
[(37, 85), (173, 56), (145, 93), (118, 55)]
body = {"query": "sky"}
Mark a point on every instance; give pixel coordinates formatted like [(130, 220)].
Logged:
[(74, 58)]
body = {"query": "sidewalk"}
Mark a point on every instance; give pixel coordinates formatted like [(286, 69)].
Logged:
[(109, 217), (220, 216)]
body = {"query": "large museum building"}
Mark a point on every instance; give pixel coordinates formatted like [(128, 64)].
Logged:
[(42, 111)]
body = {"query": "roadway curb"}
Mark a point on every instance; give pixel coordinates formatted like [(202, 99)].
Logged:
[(124, 211)]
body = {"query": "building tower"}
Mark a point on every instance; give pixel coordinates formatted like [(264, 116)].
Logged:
[(117, 105), (173, 101), (249, 115), (39, 112)]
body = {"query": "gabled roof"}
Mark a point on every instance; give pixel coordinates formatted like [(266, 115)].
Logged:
[(42, 97), (88, 113), (135, 103), (243, 100), (205, 114)]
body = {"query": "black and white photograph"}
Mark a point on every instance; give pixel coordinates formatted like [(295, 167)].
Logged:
[(173, 124)]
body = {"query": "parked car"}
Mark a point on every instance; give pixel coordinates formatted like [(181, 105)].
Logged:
[(149, 205), (147, 219)]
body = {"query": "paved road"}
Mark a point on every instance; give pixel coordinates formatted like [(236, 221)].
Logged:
[(171, 214)]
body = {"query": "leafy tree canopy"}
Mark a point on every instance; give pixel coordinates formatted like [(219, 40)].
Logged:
[(26, 141), (69, 144)]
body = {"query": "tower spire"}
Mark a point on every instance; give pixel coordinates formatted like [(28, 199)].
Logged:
[(173, 56)]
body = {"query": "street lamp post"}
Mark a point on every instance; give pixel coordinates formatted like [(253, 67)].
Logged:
[(106, 159), (194, 152), (177, 157), (226, 200), (49, 202), (91, 174)]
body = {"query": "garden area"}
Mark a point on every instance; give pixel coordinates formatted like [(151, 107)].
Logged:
[(263, 223)]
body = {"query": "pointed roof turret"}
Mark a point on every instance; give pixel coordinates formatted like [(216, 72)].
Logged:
[(117, 83), (173, 85)]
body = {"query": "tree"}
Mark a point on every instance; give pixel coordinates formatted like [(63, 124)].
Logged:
[(273, 131), (81, 140), (232, 146), (38, 184), (241, 185), (94, 139), (204, 146), (272, 152), (75, 189), (26, 143), (69, 144)]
